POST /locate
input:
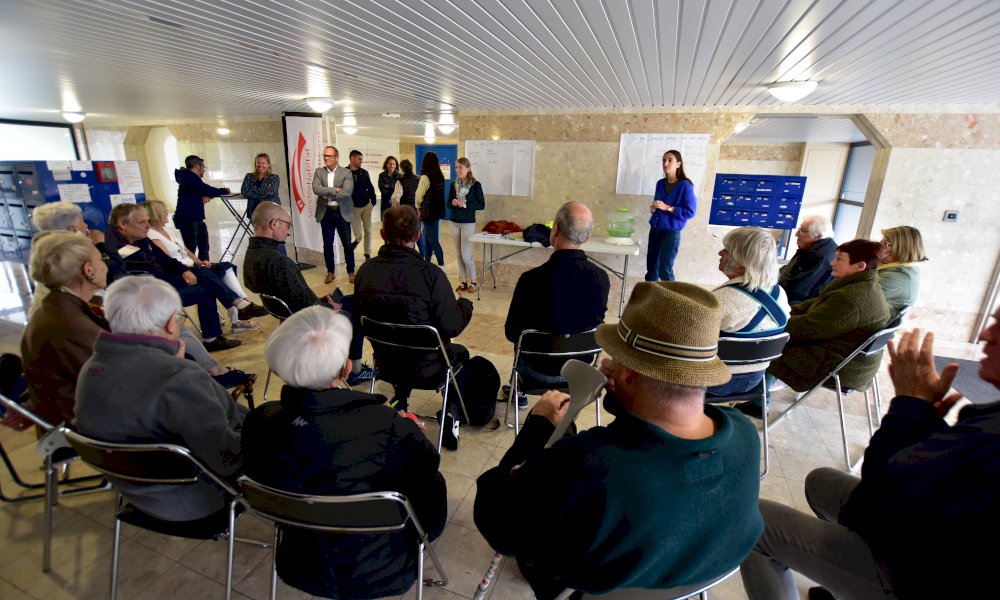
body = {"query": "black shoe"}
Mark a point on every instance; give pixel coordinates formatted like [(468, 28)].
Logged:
[(750, 409), (818, 593), (221, 343), (365, 374), (250, 311), (354, 244), (233, 378), (450, 433), (368, 257)]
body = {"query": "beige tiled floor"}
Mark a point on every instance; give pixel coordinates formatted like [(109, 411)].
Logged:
[(155, 566)]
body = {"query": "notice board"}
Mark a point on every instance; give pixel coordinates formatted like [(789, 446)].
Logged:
[(640, 159), (503, 167)]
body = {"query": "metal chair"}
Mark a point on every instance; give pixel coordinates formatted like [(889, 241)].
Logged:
[(392, 343), (369, 513), (157, 464), (58, 455), (870, 347), (748, 351), (277, 308), (534, 344), (677, 593)]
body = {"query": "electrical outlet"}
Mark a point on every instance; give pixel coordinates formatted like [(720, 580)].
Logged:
[(950, 216)]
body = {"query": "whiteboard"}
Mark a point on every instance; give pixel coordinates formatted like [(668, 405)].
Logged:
[(503, 167), (640, 159)]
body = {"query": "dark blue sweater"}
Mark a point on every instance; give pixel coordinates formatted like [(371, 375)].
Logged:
[(681, 197), (190, 193)]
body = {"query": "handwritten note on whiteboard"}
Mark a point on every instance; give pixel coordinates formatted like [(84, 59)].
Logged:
[(640, 159), (503, 167)]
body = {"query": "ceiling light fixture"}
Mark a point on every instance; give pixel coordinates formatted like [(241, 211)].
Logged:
[(446, 123), (349, 130), (429, 133), (74, 117), (222, 131), (320, 104), (791, 91), (741, 127)]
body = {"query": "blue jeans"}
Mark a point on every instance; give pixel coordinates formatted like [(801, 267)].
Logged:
[(660, 255), (429, 240), (195, 235), (211, 280), (333, 223), (740, 383)]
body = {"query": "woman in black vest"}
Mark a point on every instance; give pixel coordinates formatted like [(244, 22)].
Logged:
[(408, 182), (430, 199)]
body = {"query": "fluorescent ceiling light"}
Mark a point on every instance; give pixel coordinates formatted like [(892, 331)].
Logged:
[(446, 129), (320, 104), (222, 131), (349, 130), (741, 127), (429, 133), (446, 123), (74, 117), (791, 91), (430, 139)]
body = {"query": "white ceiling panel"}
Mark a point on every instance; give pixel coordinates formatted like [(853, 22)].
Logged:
[(128, 61), (804, 128)]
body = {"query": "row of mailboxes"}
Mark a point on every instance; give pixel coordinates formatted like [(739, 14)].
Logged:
[(759, 200)]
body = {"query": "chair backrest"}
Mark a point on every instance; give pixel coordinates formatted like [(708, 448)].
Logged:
[(142, 463), (415, 338), (539, 343), (677, 593), (372, 512), (875, 343), (745, 351), (275, 306)]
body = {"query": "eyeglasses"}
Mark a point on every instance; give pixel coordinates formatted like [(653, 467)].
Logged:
[(329, 156), (182, 318), (289, 223)]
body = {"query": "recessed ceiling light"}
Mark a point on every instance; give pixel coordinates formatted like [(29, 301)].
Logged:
[(741, 127), (320, 104), (791, 91), (74, 117), (349, 130), (222, 131), (388, 115)]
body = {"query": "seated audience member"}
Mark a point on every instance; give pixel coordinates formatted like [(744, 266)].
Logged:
[(399, 286), (136, 388), (128, 232), (809, 270), (753, 304), (664, 496), (567, 294), (61, 331), (65, 216), (826, 329), (324, 440), (899, 266), (268, 270), (173, 247), (913, 525)]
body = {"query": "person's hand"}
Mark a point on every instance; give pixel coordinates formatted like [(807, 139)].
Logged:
[(189, 278), (206, 263), (228, 191), (393, 202), (660, 205), (205, 199), (339, 189), (553, 406), (328, 300), (914, 374), (607, 368), (96, 236), (455, 202)]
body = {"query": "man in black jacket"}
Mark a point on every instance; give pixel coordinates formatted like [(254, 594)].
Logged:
[(398, 286), (809, 270), (364, 199), (324, 440)]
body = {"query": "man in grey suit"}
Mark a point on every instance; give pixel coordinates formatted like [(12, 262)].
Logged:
[(334, 187)]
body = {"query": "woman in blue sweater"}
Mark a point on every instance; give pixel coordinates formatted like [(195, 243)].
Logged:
[(673, 204)]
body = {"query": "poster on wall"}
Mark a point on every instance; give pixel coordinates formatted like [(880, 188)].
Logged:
[(640, 160), (506, 166), (303, 155), (129, 177)]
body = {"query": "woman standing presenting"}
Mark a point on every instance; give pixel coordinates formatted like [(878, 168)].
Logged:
[(465, 197), (387, 181), (673, 204), (430, 199), (261, 185)]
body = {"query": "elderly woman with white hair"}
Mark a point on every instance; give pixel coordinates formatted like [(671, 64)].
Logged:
[(326, 440), (753, 304), (136, 387)]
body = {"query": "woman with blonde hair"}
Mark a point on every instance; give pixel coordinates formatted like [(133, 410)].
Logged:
[(174, 247), (465, 197), (61, 332), (899, 268), (261, 185)]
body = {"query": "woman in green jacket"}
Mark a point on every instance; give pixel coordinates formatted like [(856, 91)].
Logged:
[(827, 328), (464, 199), (899, 271)]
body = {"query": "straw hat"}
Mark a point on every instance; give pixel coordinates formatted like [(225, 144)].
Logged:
[(670, 332)]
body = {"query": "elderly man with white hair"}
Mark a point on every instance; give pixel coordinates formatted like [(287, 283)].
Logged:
[(326, 440), (753, 304), (809, 270), (136, 387)]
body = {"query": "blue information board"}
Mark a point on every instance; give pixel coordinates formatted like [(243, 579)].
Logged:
[(759, 200)]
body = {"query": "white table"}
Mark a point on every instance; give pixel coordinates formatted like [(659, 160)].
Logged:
[(489, 240)]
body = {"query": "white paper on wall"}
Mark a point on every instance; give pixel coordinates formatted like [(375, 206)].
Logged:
[(640, 159), (129, 177), (504, 167), (117, 199), (78, 193)]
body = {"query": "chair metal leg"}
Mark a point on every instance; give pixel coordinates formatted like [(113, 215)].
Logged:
[(767, 455), (517, 406), (442, 575), (420, 571), (597, 407), (267, 382), (843, 423), (229, 548), (51, 498), (868, 409), (115, 551), (274, 563), (444, 412), (878, 401), (371, 388)]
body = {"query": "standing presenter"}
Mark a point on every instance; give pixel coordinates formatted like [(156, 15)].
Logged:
[(673, 204)]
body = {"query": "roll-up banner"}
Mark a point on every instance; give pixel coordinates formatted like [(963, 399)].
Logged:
[(303, 155)]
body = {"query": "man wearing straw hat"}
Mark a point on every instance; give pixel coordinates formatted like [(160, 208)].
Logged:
[(664, 496)]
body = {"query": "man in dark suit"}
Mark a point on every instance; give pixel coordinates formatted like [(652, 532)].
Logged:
[(334, 187)]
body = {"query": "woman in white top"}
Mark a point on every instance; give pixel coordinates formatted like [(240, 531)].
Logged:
[(174, 247)]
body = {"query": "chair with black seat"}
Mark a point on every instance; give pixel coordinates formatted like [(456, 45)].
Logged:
[(277, 308), (158, 464), (831, 381), (396, 347), (368, 513), (535, 345), (735, 351), (677, 593), (58, 456)]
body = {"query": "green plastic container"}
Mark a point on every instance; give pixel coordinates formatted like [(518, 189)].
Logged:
[(621, 224)]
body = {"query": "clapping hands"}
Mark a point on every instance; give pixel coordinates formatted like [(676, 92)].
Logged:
[(914, 374)]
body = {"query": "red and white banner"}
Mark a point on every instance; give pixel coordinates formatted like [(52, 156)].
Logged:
[(304, 154)]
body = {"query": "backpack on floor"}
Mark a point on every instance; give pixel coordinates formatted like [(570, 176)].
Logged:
[(482, 382)]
